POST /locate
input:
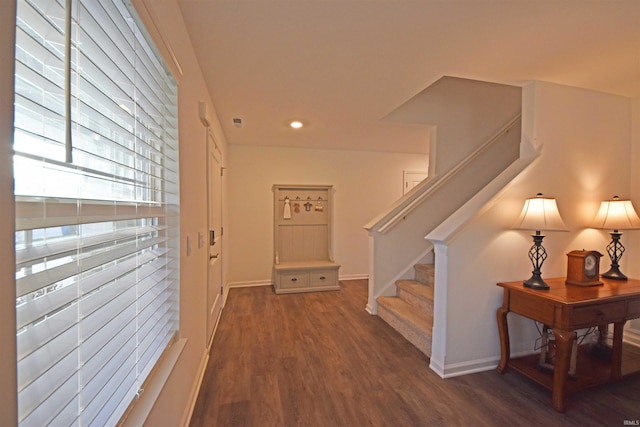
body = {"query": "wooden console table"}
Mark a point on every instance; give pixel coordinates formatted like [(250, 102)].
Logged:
[(567, 308)]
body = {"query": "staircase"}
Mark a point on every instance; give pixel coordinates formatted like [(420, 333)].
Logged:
[(410, 312)]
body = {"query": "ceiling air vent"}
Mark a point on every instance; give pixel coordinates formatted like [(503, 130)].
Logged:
[(237, 122)]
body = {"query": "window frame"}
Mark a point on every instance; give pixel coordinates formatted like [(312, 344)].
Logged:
[(36, 212)]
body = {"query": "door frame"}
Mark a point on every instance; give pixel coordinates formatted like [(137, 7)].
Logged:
[(212, 149)]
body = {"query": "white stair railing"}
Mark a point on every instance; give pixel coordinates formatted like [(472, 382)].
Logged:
[(396, 237)]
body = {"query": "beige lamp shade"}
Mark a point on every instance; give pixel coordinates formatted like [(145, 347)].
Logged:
[(540, 214), (616, 214)]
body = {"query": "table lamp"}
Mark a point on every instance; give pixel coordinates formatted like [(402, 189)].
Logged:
[(616, 215), (539, 214)]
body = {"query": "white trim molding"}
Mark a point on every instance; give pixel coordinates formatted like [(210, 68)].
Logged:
[(140, 409), (268, 282), (362, 276), (437, 361), (471, 366), (193, 398), (250, 283)]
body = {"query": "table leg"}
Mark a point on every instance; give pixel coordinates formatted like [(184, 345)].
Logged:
[(604, 332), (503, 329), (616, 353), (564, 344)]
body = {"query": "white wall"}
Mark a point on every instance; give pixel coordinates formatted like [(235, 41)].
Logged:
[(633, 244), (585, 149), (8, 403), (365, 183), (465, 113)]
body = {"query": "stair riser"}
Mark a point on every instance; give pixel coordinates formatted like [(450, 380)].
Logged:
[(415, 337), (424, 274), (425, 306)]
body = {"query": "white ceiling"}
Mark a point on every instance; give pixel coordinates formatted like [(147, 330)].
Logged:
[(342, 66)]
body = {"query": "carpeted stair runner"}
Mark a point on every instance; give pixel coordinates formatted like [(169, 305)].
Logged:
[(410, 312)]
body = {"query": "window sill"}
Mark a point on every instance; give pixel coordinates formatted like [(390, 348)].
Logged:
[(141, 408)]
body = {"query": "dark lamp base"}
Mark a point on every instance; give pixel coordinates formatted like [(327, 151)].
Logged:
[(615, 274), (536, 282), (615, 249)]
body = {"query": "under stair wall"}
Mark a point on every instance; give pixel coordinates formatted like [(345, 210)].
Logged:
[(396, 238)]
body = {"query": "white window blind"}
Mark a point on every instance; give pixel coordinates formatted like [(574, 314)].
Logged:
[(97, 210)]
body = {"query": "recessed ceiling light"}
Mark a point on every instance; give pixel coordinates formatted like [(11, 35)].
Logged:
[(296, 124)]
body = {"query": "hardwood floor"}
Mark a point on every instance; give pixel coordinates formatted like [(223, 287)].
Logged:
[(318, 359)]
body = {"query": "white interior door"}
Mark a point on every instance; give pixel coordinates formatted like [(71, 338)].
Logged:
[(411, 179), (214, 195)]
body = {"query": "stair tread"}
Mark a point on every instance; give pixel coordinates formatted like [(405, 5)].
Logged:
[(424, 273), (408, 313), (416, 288), (425, 267)]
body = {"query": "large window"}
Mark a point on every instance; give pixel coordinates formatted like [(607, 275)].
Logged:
[(97, 205)]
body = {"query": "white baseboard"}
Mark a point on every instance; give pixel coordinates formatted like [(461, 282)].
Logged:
[(201, 370), (250, 284), (451, 370), (225, 296), (186, 418), (354, 277), (436, 367), (371, 309), (268, 282), (465, 368)]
